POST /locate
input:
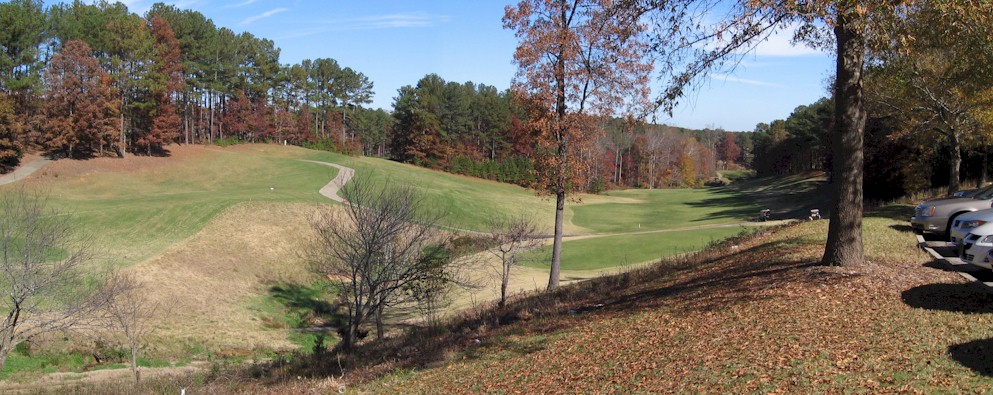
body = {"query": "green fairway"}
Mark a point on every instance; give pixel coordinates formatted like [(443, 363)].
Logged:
[(132, 215), (645, 210), (469, 202), (617, 251)]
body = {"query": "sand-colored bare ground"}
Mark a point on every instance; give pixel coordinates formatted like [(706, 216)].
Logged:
[(207, 283)]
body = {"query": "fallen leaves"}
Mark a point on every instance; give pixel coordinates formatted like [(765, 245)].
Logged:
[(762, 319)]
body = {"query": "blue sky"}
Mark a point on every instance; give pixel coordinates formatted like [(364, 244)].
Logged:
[(396, 42)]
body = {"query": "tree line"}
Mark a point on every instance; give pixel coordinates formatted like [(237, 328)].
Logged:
[(84, 79), (477, 130), (91, 79)]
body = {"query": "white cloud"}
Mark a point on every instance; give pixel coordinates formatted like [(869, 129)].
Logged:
[(242, 4), (779, 44), (731, 78), (387, 21), (263, 15)]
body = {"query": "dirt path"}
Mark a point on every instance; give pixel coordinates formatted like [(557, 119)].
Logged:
[(331, 189), (24, 170)]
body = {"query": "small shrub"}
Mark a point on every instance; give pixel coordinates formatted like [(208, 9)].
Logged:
[(717, 182), (228, 141)]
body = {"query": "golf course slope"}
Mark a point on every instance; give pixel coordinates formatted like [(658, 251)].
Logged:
[(213, 231)]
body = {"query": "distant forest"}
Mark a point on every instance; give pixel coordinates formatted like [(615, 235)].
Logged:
[(84, 80), (95, 80)]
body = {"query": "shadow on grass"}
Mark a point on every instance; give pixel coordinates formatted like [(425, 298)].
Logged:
[(974, 355), (959, 298), (297, 296), (893, 211), (735, 206), (902, 228)]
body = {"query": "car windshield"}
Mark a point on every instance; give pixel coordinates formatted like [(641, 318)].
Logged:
[(984, 194)]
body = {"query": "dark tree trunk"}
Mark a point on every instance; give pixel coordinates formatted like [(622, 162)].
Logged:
[(844, 242), (982, 171), (380, 332), (955, 162)]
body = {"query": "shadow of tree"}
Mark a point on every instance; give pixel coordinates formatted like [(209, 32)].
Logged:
[(976, 355), (733, 205), (896, 212), (902, 228), (307, 301), (960, 298)]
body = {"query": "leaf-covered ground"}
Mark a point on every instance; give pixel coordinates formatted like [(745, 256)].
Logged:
[(758, 316)]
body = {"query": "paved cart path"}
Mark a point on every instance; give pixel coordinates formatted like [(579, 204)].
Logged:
[(331, 189), (24, 170)]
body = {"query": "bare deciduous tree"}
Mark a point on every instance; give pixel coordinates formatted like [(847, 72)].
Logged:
[(382, 249), (45, 271), (128, 309), (511, 235)]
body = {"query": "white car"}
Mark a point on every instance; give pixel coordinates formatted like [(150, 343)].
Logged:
[(964, 224), (976, 246)]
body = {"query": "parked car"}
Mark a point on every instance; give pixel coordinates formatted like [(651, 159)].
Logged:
[(936, 216), (964, 223), (976, 246), (966, 193)]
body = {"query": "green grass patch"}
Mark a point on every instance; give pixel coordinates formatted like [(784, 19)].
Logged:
[(645, 210), (615, 251), (288, 306), (738, 175), (469, 202), (134, 215)]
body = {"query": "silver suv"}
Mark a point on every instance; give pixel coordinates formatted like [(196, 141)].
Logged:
[(936, 216)]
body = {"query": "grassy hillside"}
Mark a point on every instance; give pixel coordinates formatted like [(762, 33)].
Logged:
[(214, 231)]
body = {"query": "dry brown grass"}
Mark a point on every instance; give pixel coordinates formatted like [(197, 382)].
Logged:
[(207, 283)]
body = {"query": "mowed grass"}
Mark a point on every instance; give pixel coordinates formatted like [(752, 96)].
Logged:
[(645, 210), (469, 203), (133, 214), (595, 253)]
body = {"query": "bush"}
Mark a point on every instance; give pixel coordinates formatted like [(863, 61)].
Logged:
[(516, 170), (717, 182), (228, 141), (349, 147)]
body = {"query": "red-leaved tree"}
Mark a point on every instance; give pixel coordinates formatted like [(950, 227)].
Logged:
[(576, 57), (81, 108)]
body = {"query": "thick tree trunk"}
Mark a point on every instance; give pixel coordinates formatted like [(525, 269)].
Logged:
[(955, 162), (844, 242)]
